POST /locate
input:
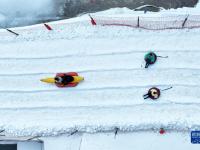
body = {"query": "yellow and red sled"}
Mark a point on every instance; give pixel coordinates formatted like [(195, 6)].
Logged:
[(75, 82)]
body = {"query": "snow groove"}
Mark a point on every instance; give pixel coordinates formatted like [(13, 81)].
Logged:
[(108, 79), (107, 62), (125, 52), (93, 89), (117, 96), (96, 71)]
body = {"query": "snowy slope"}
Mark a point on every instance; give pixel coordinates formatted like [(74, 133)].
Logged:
[(110, 59)]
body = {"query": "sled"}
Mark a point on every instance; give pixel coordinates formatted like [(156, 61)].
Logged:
[(74, 83)]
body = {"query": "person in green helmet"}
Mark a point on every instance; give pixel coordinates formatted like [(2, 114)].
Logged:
[(150, 58)]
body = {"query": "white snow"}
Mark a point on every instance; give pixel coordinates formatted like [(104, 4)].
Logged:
[(138, 140), (110, 60)]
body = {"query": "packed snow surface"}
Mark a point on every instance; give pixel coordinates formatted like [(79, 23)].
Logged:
[(111, 61)]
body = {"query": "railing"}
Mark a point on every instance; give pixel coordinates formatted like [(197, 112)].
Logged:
[(151, 23)]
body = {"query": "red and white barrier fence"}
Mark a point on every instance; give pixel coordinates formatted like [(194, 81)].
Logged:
[(151, 23)]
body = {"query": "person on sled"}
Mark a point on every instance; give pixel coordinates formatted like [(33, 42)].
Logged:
[(64, 80)]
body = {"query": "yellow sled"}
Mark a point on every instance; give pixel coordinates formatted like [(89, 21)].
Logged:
[(77, 79)]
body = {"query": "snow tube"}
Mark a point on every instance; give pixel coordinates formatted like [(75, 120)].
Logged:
[(153, 93)]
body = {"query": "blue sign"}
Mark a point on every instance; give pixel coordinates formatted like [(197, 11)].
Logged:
[(195, 137)]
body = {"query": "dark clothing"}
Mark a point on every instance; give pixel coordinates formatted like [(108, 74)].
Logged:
[(66, 79)]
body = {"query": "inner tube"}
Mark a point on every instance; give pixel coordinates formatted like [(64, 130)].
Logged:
[(153, 93)]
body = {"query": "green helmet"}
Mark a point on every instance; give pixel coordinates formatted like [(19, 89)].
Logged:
[(150, 58)]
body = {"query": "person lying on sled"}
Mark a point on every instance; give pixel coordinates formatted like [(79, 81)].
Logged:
[(69, 79), (64, 80)]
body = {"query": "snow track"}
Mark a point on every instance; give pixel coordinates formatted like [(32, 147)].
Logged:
[(108, 79), (111, 61), (81, 63), (103, 97)]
